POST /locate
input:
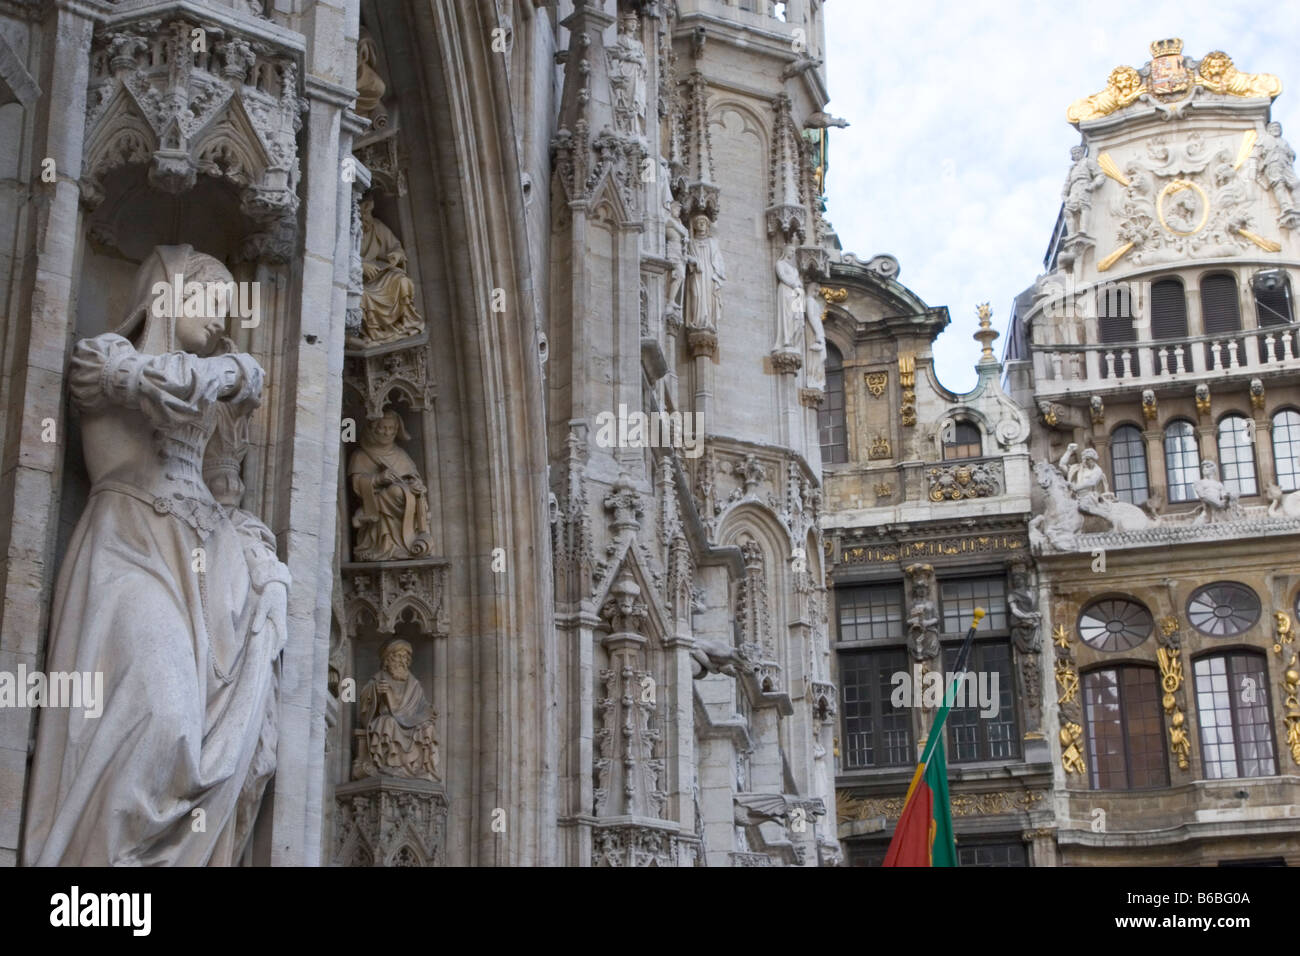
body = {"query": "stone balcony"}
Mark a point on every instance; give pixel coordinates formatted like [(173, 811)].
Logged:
[(1062, 370)]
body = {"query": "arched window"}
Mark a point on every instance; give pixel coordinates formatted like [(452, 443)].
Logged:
[(1128, 464), (1125, 728), (830, 418), (1168, 310), (961, 441), (1237, 454), (1286, 448), (1236, 728), (1182, 460)]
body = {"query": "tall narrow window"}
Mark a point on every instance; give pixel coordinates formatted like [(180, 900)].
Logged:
[(876, 733), (1126, 737), (1168, 310), (1115, 321), (1221, 316), (1236, 726), (1237, 454), (1128, 464), (982, 722), (1220, 309), (1182, 460), (1286, 448), (830, 418), (961, 441)]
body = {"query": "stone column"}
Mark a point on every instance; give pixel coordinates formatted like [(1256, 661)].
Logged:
[(29, 484), (309, 426)]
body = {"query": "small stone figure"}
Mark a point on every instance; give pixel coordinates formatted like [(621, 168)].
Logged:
[(922, 615), (1085, 176), (789, 304), (706, 275), (1218, 501), (815, 342), (627, 76), (393, 520), (397, 728), (388, 297), (675, 238), (1277, 169)]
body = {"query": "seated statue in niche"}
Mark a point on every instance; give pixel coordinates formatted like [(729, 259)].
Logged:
[(167, 588), (388, 295), (396, 727), (393, 520)]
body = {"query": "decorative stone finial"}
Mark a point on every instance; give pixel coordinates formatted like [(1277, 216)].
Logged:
[(986, 333)]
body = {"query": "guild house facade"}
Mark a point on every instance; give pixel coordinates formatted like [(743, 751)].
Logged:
[(1158, 356)]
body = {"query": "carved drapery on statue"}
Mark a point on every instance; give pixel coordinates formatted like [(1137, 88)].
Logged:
[(172, 592), (388, 310), (397, 728), (707, 274), (392, 521)]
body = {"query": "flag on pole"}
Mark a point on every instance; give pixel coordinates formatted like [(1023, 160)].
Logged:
[(923, 836)]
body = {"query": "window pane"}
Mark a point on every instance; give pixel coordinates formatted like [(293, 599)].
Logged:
[(1128, 464), (1125, 729), (960, 597), (1237, 454), (1144, 722), (830, 417), (871, 613), (876, 734), (1286, 449), (992, 854), (1105, 730), (971, 734), (1182, 460), (1232, 707), (965, 442)]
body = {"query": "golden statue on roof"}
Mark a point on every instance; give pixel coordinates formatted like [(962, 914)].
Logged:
[(1169, 77)]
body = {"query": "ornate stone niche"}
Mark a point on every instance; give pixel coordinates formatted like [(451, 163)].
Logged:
[(230, 111), (382, 594)]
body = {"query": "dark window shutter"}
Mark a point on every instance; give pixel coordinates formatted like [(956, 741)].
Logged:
[(1115, 315), (1219, 306), (1168, 310)]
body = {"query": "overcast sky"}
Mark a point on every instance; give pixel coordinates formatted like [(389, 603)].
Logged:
[(959, 145)]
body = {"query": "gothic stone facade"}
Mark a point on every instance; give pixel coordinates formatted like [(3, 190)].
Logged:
[(478, 233)]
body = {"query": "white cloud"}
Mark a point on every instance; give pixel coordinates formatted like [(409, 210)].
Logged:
[(959, 145)]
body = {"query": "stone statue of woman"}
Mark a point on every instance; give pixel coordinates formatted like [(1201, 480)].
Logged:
[(170, 591), (705, 277)]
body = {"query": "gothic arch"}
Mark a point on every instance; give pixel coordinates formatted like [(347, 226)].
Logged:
[(499, 725)]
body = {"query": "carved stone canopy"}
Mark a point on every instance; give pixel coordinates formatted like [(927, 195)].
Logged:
[(230, 110)]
